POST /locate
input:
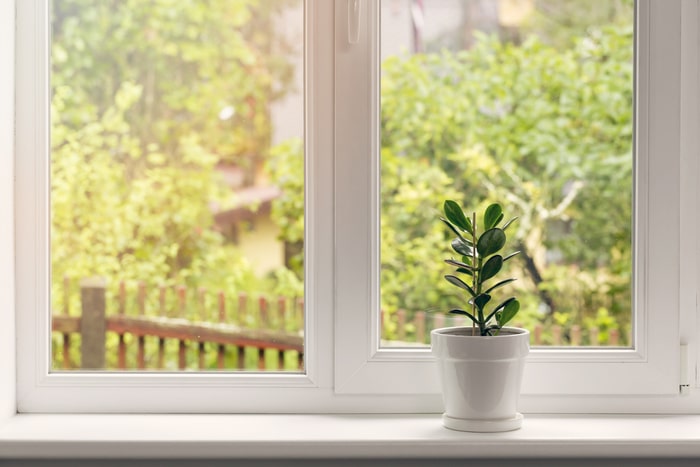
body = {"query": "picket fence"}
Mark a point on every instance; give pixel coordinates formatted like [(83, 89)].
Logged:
[(236, 330), (413, 329), (243, 325)]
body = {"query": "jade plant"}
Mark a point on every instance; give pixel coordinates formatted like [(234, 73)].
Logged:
[(479, 263)]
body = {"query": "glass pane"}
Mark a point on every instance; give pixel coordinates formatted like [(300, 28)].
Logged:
[(528, 103), (177, 185)]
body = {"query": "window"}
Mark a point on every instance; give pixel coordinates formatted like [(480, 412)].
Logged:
[(647, 368), (345, 368), (507, 101), (37, 380), (177, 181)]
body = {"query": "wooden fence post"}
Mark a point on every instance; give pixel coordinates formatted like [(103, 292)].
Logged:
[(67, 363), (576, 335), (121, 353), (92, 323), (537, 334), (614, 339), (221, 349), (141, 349), (401, 324), (556, 335), (263, 321), (162, 312), (420, 327)]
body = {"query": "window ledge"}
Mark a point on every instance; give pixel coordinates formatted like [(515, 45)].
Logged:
[(334, 436)]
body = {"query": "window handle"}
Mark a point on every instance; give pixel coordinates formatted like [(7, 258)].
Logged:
[(354, 21)]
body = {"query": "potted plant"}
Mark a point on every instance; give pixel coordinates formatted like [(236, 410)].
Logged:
[(481, 365)]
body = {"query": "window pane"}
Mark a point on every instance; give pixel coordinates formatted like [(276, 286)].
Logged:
[(528, 103), (177, 185)]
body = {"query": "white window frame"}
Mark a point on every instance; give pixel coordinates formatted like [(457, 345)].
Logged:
[(345, 371), (38, 390)]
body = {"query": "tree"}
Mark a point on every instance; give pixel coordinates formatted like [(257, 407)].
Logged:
[(551, 133), (148, 97)]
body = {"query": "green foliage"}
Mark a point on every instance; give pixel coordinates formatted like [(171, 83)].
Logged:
[(604, 323), (480, 264), (147, 99), (205, 67), (556, 22), (146, 102), (286, 168), (156, 228), (545, 130), (410, 192)]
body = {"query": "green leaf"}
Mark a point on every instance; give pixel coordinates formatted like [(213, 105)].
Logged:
[(481, 300), (505, 226), (455, 215), (454, 280), (464, 271), (491, 268), (510, 256), (498, 221), (499, 308), (458, 264), (492, 216), (457, 311), (508, 313), (454, 229), (490, 242), (461, 247), (500, 284)]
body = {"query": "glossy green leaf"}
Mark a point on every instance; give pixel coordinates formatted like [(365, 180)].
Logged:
[(457, 311), (505, 226), (481, 300), (461, 247), (515, 253), (455, 215), (454, 280), (458, 264), (492, 216), (491, 268), (499, 308), (498, 221), (508, 313), (454, 229), (490, 242), (500, 284)]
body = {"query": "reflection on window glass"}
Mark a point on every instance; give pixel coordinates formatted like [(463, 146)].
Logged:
[(177, 185), (524, 102)]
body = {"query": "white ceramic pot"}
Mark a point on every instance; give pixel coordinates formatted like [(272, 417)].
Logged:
[(481, 377)]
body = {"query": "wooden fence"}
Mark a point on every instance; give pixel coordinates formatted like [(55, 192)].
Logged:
[(415, 331), (240, 329), (237, 333)]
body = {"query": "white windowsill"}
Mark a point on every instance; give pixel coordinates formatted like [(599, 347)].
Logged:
[(336, 436)]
